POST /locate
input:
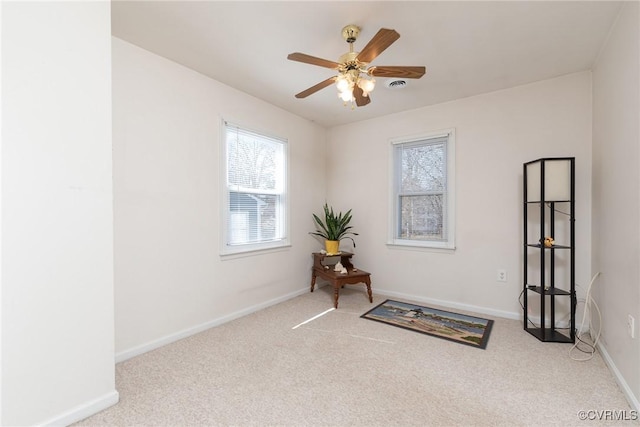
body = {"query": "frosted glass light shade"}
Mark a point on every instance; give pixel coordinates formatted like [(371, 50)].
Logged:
[(557, 180)]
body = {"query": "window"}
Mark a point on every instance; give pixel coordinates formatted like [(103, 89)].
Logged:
[(255, 191), (423, 191)]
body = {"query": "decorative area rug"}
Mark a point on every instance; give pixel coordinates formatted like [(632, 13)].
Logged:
[(461, 328)]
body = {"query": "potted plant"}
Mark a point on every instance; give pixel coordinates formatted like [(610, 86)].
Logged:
[(334, 228)]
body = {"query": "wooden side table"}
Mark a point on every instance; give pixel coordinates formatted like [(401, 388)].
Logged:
[(338, 280)]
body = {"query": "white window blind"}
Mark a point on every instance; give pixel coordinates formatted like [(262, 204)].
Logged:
[(422, 192), (255, 190)]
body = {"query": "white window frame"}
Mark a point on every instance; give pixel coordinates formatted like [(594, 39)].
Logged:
[(227, 249), (394, 214)]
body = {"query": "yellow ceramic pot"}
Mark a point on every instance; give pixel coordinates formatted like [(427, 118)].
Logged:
[(332, 246)]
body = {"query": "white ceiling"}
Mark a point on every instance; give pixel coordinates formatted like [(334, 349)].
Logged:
[(468, 47)]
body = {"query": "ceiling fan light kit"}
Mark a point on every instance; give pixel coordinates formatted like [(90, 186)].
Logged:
[(355, 79)]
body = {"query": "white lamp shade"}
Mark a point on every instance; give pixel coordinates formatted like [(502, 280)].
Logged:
[(366, 85), (342, 84), (557, 180), (346, 96)]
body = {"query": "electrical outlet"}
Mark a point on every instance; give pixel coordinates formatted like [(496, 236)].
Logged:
[(502, 276), (631, 326)]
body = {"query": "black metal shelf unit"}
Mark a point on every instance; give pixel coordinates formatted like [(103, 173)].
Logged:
[(549, 183)]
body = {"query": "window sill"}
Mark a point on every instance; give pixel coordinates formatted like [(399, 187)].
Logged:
[(421, 247), (225, 256)]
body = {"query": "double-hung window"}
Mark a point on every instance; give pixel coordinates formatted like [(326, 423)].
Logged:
[(423, 191), (255, 191)]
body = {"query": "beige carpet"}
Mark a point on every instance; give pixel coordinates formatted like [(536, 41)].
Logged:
[(341, 370)]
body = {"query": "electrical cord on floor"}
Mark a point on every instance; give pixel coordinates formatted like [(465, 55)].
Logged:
[(589, 301)]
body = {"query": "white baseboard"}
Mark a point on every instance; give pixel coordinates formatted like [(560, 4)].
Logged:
[(152, 345), (628, 393), (83, 411), (451, 304)]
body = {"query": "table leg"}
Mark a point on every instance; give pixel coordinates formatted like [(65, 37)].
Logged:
[(368, 283), (336, 294), (313, 280)]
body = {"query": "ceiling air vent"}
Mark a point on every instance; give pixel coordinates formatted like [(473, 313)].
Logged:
[(396, 84)]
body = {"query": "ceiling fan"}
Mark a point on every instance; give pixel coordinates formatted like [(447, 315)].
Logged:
[(355, 79)]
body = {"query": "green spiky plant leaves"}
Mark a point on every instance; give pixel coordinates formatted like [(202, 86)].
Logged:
[(335, 226)]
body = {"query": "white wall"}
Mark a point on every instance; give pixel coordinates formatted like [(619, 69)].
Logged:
[(495, 134), (57, 224), (616, 194), (170, 279), (1, 143)]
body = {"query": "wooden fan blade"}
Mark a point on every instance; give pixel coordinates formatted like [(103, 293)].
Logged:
[(358, 94), (314, 89), (308, 59), (382, 40), (404, 72)]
